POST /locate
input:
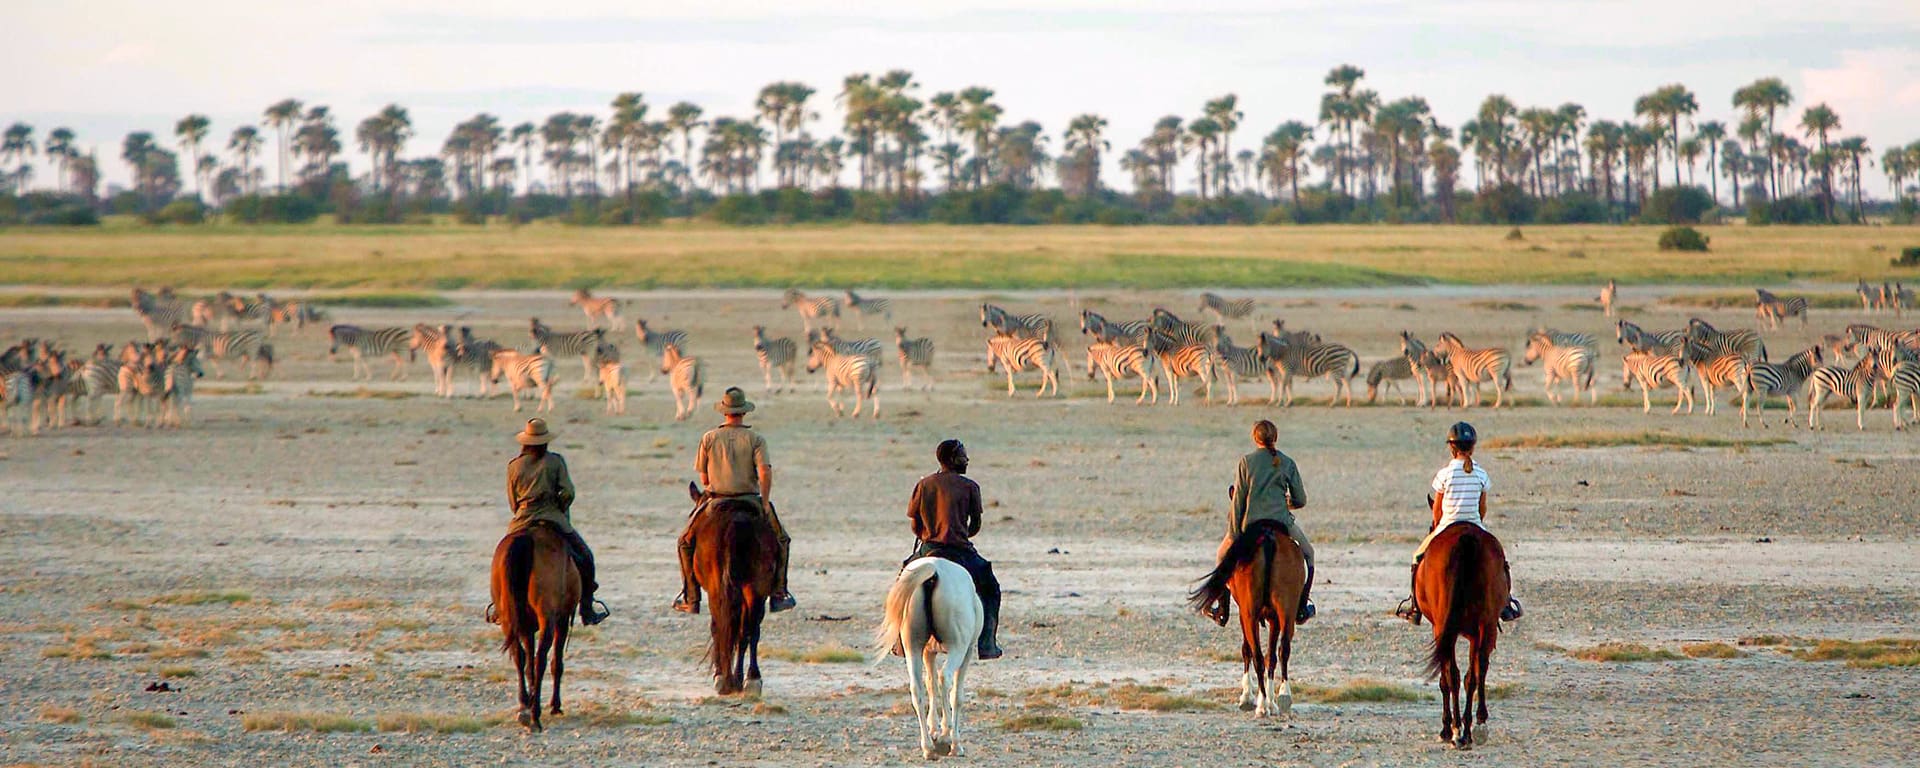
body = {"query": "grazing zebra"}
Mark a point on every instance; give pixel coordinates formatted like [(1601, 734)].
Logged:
[(655, 343), (686, 377), (1388, 373), (1739, 341), (850, 371), (1870, 297), (298, 313), (523, 372), (1651, 342), (1773, 309), (475, 355), (1608, 294), (1117, 361), (247, 347), (1855, 384), (868, 305), (1133, 332), (1018, 354), (160, 312), (1032, 326), (1223, 308), (370, 342), (1571, 362), (613, 386), (1237, 363), (596, 308), (1723, 370), (439, 344), (1471, 366), (774, 355), (580, 343), (1785, 379), (1651, 372), (1302, 354), (914, 353), (1430, 371), (177, 387), (1180, 359), (811, 309)]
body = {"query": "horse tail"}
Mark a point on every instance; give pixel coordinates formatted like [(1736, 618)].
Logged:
[(1466, 588), (910, 583), (516, 616), (1262, 582), (1213, 586)]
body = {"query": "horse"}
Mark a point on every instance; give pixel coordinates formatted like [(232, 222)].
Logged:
[(734, 554), (1461, 585), (932, 606), (537, 591), (1265, 572)]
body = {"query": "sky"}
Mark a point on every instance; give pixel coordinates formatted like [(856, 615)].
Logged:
[(107, 67)]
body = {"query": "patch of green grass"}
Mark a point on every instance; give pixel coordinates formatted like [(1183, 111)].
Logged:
[(1747, 299), (1774, 641), (385, 300), (29, 300), (433, 722), (1617, 439), (316, 722), (832, 653), (201, 597), (1625, 652), (363, 393), (1870, 654), (1711, 651), (1361, 690), (1505, 690), (1040, 722), (178, 672), (1501, 306), (148, 721)]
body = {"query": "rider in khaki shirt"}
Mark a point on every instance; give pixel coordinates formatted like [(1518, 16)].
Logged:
[(541, 492), (732, 463)]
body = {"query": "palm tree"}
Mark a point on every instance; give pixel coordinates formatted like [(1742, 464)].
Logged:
[(1854, 152), (1690, 151), (1287, 144), (1446, 174), (1605, 141), (1765, 96), (16, 149), (381, 136), (1201, 136), (281, 117), (191, 131), (1899, 164), (1225, 112), (1572, 117), (1540, 128), (1402, 123), (683, 118), (1816, 122), (625, 133), (318, 140), (244, 142), (136, 148), (979, 120), (1084, 144), (1493, 132), (1654, 108), (59, 148), (558, 135), (524, 135), (1733, 162), (1343, 107), (1711, 133)]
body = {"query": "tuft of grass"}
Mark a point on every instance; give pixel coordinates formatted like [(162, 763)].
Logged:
[(1615, 439), (1746, 300), (1505, 690), (768, 708), (1502, 306), (381, 300), (1774, 641), (1711, 651), (316, 722), (201, 597), (598, 716), (1156, 698), (30, 300), (359, 604), (148, 721), (363, 393), (434, 722), (832, 653), (249, 388), (1040, 722), (1362, 690), (54, 713), (1624, 652), (1870, 654), (178, 672)]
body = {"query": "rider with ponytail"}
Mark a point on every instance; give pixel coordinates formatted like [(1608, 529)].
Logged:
[(1459, 496), (1267, 488)]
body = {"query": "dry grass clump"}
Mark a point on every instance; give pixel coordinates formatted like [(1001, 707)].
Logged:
[(831, 653), (597, 715), (363, 393), (316, 722), (1361, 690), (1625, 652), (1126, 695), (1774, 641), (1502, 306), (1040, 722), (28, 300), (1711, 651), (201, 597), (1616, 439), (359, 604), (768, 708), (54, 713), (148, 721), (85, 647), (178, 672), (1870, 654), (435, 722)]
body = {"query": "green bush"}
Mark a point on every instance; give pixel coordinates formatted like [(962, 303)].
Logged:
[(273, 209), (1909, 257), (1792, 210), (182, 211), (1683, 239), (1677, 205)]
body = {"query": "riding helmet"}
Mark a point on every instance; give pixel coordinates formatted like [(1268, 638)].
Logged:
[(1462, 434)]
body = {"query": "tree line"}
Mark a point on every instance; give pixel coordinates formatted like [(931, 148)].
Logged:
[(954, 156)]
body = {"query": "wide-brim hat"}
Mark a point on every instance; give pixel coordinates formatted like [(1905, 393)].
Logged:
[(536, 433), (734, 401)]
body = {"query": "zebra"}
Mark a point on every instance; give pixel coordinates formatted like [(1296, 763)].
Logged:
[(1724, 370), (1223, 308), (1901, 297), (1903, 381), (1653, 342), (613, 386), (1654, 371), (1181, 359), (774, 355), (56, 383), (1132, 332), (1017, 354), (99, 377), (141, 385), (1430, 370), (1302, 354), (1608, 294), (439, 344), (1571, 339), (1470, 366), (525, 371), (914, 353), (1020, 326), (850, 371), (296, 312), (1863, 335), (1855, 383), (596, 308), (259, 308), (1772, 309), (1572, 362), (1388, 373), (1739, 341), (868, 305), (1170, 325), (159, 312), (247, 346), (869, 347), (580, 343), (370, 342), (1116, 361), (686, 377), (1765, 380), (1870, 297), (18, 400), (655, 343), (1236, 363), (475, 355), (811, 309), (177, 387)]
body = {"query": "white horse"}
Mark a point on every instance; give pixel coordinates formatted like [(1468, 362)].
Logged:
[(933, 607)]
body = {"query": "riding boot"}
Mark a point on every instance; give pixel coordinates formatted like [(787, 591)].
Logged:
[(590, 614), (1410, 608), (781, 599), (1512, 610), (1307, 611), (990, 624), (689, 599)]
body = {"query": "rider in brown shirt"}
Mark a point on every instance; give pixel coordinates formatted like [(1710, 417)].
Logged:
[(945, 510), (732, 463), (541, 492)]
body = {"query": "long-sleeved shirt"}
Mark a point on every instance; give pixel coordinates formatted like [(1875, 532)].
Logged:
[(945, 509), (1264, 491), (539, 489)]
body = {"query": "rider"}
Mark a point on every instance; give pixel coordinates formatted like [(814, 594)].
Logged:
[(945, 511), (1459, 496), (1267, 487), (732, 463), (540, 491)]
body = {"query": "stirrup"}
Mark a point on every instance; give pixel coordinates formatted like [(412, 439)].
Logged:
[(781, 601), (985, 654), (1512, 610), (1306, 614), (1408, 611), (686, 604), (594, 613), (492, 614)]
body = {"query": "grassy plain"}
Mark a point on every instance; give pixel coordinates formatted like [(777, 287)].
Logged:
[(686, 255)]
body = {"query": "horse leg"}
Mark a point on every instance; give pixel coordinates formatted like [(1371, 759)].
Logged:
[(1250, 635), (1286, 653), (1246, 676), (957, 677), (1464, 740), (1483, 659), (520, 654), (559, 663), (540, 671), (1274, 706), (918, 660), (1449, 693), (753, 652)]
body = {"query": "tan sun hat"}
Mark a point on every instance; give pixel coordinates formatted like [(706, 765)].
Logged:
[(733, 401), (536, 433)]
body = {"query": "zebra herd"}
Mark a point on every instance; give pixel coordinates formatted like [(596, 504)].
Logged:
[(42, 384)]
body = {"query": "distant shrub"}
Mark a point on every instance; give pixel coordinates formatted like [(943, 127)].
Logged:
[(1677, 205), (182, 211), (1514, 236), (1683, 239), (1573, 208), (1792, 210), (273, 209)]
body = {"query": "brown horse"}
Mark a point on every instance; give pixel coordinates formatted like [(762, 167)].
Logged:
[(1461, 585), (1265, 572), (734, 554), (536, 589)]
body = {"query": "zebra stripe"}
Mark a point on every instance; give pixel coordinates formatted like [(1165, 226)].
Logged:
[(1389, 372), (1116, 361), (1653, 372), (1903, 380), (370, 342), (1223, 308), (1727, 370), (475, 355), (1571, 339), (438, 342), (1181, 360), (1023, 326), (655, 343), (867, 347), (1237, 363), (247, 346), (1773, 309), (850, 371), (774, 354), (1854, 383), (685, 377), (1471, 366), (159, 312), (1181, 331), (525, 371), (1302, 354), (177, 388), (1653, 342), (1785, 379), (613, 386), (1740, 341), (1568, 360), (581, 343), (1431, 370), (869, 305), (914, 353), (811, 309), (1018, 354), (596, 308), (1133, 332), (1870, 297)]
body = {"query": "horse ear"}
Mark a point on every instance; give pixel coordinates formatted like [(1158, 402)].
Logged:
[(693, 490)]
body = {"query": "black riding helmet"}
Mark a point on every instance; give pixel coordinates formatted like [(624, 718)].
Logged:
[(1462, 434)]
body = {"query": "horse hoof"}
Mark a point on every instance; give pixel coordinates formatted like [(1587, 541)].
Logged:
[(555, 711), (1246, 706), (1463, 745), (753, 688), (526, 719)]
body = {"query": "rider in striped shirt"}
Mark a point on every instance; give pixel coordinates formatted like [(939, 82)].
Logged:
[(1459, 496)]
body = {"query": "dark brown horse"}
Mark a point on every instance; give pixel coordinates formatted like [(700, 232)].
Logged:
[(536, 590), (1265, 572), (1461, 586), (734, 554)]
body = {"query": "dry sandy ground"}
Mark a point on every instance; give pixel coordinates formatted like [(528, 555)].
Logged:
[(359, 530)]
